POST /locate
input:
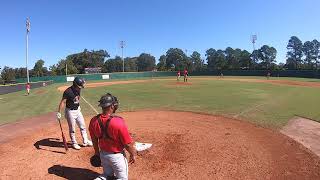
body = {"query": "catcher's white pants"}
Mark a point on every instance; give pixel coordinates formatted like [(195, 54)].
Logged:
[(113, 165), (73, 117)]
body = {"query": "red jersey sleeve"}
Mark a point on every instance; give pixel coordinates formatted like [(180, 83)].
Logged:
[(125, 137), (92, 127)]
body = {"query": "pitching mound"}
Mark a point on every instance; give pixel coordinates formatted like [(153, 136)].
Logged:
[(185, 146)]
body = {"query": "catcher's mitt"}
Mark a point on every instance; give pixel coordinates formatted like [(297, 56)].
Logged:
[(95, 161)]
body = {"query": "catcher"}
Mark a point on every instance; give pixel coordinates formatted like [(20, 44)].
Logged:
[(110, 137)]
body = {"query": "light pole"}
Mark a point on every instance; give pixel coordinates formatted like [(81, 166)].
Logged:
[(122, 44), (27, 43), (253, 40)]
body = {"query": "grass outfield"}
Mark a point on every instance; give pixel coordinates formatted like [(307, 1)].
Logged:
[(265, 104)]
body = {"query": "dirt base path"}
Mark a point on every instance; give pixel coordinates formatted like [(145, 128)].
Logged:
[(10, 131), (304, 131), (185, 146), (108, 83), (270, 81)]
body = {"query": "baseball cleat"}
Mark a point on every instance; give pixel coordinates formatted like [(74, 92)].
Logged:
[(76, 146), (87, 143)]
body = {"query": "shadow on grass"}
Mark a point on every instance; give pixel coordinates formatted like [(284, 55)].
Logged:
[(50, 142), (72, 173)]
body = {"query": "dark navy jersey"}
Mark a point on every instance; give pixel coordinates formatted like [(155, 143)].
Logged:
[(72, 95)]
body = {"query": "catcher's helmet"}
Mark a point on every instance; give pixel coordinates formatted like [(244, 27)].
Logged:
[(108, 100), (79, 82)]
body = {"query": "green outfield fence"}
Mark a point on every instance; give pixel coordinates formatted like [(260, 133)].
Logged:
[(280, 73), (89, 77), (135, 75)]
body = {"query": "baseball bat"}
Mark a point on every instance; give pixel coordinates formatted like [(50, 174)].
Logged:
[(63, 138)]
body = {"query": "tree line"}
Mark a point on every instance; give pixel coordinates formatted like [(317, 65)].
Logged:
[(300, 56)]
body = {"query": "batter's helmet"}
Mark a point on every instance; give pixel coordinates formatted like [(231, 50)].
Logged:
[(79, 82), (108, 100)]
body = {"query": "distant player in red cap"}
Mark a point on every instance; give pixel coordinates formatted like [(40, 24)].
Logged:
[(185, 73), (178, 75), (28, 88)]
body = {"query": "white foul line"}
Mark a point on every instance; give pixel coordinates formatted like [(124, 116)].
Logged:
[(89, 105)]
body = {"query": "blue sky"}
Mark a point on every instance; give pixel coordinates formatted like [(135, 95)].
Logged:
[(61, 27)]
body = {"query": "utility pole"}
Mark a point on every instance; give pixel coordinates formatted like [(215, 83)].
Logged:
[(66, 68), (27, 44), (122, 44)]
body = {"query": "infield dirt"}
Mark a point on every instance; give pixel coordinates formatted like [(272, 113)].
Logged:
[(185, 146)]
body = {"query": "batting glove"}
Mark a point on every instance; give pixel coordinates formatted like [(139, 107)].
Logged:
[(58, 115)]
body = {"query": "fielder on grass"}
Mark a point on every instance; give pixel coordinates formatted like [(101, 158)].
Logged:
[(268, 75), (186, 74), (28, 88), (178, 75), (71, 97), (110, 137)]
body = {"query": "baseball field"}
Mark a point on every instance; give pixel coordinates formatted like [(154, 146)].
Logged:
[(207, 128)]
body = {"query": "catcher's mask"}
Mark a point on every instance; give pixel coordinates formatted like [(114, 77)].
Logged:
[(109, 100)]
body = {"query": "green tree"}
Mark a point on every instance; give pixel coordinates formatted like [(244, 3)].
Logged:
[(237, 57), (20, 73), (232, 57), (130, 64), (267, 55), (8, 74), (88, 59), (245, 60), (196, 61), (254, 59), (216, 59), (220, 60), (60, 68), (53, 70), (187, 64), (316, 52), (295, 53), (308, 51), (113, 65), (176, 59), (311, 52), (146, 62), (211, 55), (161, 66), (38, 69)]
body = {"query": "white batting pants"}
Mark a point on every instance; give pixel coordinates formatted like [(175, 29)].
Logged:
[(73, 117), (113, 165)]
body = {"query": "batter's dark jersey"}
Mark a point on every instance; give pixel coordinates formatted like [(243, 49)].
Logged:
[(72, 95)]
